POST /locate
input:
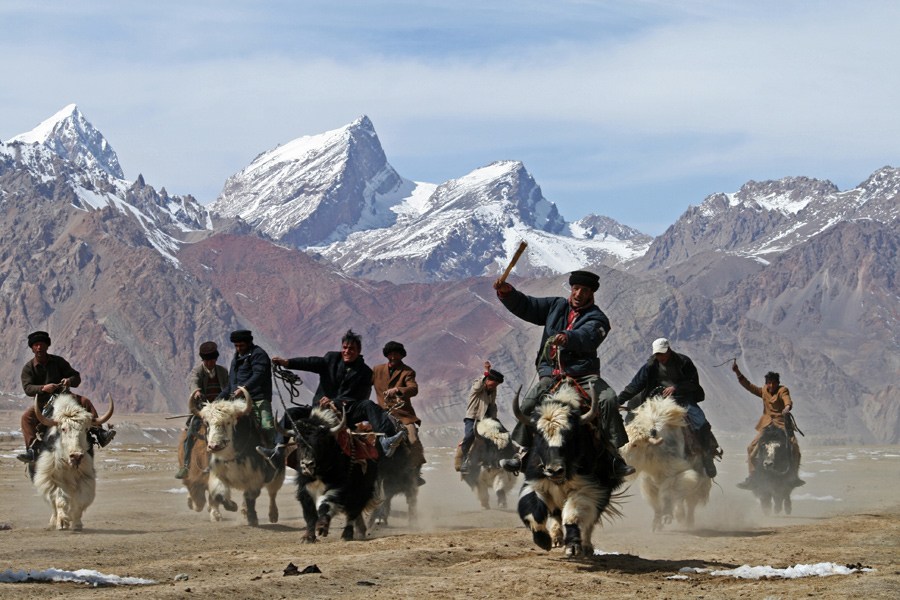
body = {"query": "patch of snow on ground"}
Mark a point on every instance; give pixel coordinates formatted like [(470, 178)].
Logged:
[(795, 572), (86, 576)]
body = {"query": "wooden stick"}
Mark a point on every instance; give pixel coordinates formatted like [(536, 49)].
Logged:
[(514, 260)]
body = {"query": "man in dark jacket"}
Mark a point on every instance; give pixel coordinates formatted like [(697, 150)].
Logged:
[(42, 377), (678, 377), (345, 385), (574, 328), (251, 369)]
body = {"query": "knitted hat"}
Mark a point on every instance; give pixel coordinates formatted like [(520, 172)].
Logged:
[(585, 278), (38, 336), (209, 350), (394, 347), (242, 335)]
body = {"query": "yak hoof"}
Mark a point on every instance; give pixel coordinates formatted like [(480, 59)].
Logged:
[(542, 539), (574, 549), (308, 538), (347, 534), (230, 505)]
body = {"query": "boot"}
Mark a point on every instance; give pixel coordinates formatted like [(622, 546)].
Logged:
[(709, 465), (620, 468), (389, 444), (28, 456), (182, 472), (514, 465), (275, 455), (103, 436), (746, 484), (458, 459), (464, 467)]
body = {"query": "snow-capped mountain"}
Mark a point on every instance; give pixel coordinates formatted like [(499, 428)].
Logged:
[(69, 151), (472, 226), (765, 219), (72, 137), (317, 189), (336, 195)]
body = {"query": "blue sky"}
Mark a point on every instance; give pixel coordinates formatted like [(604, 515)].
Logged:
[(633, 109)]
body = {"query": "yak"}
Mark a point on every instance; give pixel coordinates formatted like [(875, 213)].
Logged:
[(492, 444), (234, 463), (566, 483), (397, 475), (330, 480), (64, 474), (673, 479), (197, 478), (775, 476)]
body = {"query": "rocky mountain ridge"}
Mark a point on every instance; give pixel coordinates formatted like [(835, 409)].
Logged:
[(129, 281)]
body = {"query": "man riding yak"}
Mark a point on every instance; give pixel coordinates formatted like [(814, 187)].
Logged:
[(777, 406), (678, 377), (574, 328), (345, 386), (44, 376)]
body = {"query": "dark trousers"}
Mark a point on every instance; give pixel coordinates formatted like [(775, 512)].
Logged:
[(468, 437)]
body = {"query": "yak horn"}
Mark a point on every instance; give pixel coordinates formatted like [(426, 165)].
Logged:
[(518, 411), (337, 428), (44, 420), (249, 406), (285, 432), (108, 415), (594, 410), (192, 405)]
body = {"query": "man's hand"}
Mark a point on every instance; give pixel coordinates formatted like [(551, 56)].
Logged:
[(668, 391), (281, 362), (487, 366), (560, 339), (325, 402), (786, 410), (49, 388), (197, 395), (502, 286), (735, 368), (392, 393)]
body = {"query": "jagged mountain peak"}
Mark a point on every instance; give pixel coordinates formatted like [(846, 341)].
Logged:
[(69, 134), (316, 189)]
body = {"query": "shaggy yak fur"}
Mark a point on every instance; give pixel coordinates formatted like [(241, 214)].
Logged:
[(234, 463), (492, 444), (64, 474), (397, 475), (672, 481), (567, 484)]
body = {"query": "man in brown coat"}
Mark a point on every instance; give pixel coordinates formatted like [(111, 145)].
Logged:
[(395, 385), (205, 381), (777, 404), (43, 376)]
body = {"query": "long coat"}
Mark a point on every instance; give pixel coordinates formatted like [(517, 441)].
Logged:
[(198, 379), (404, 379)]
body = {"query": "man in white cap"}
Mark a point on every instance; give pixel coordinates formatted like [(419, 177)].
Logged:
[(678, 377)]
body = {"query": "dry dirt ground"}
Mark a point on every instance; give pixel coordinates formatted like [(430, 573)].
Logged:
[(140, 526)]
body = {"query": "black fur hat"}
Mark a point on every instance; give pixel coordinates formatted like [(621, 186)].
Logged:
[(394, 347), (38, 336), (585, 278), (242, 335), (495, 375)]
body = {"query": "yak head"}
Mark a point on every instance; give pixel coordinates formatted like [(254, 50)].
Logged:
[(656, 421), (221, 419), (496, 444), (560, 432), (774, 451), (69, 427), (317, 440)]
